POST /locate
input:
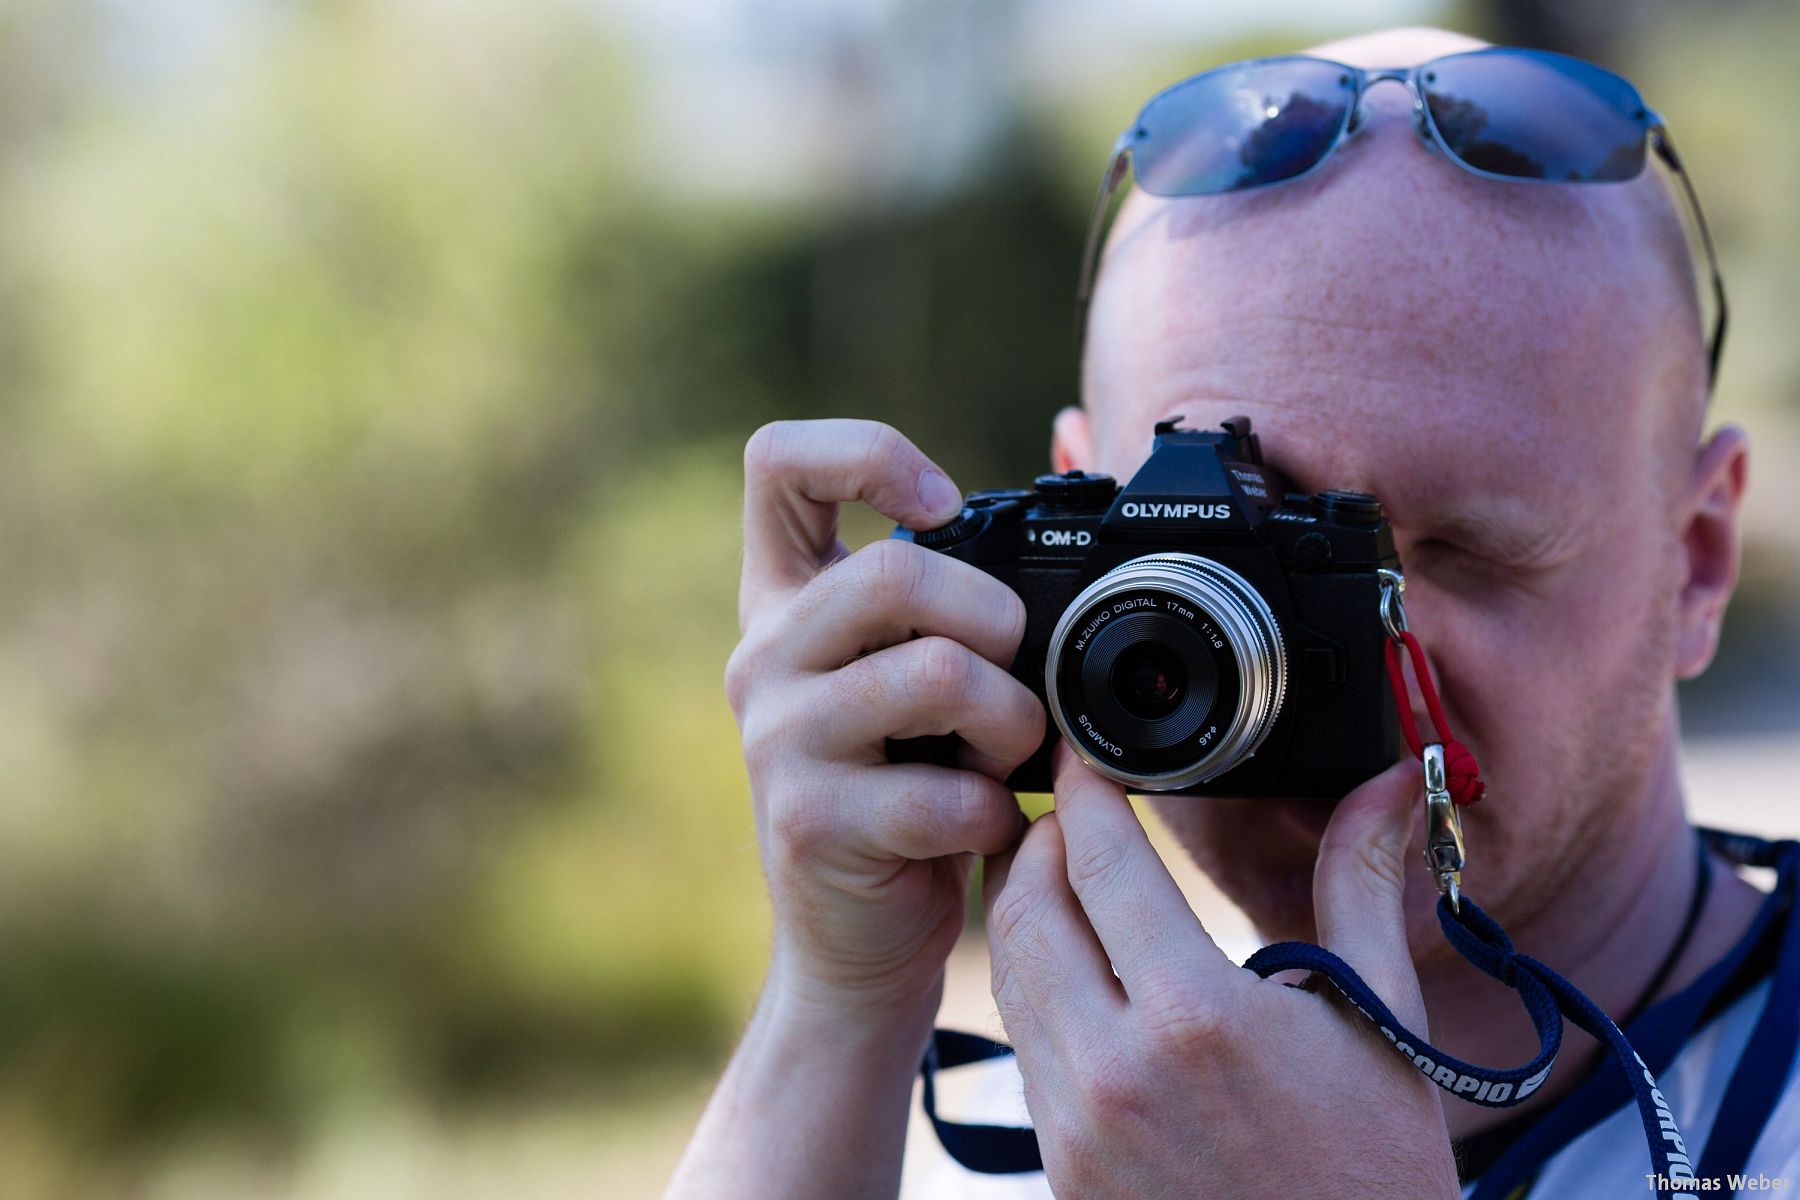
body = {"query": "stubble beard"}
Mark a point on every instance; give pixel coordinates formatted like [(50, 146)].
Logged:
[(1590, 779)]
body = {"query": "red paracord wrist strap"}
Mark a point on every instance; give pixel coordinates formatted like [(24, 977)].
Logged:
[(1463, 775)]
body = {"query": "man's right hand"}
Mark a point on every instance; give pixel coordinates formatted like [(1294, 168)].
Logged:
[(867, 861)]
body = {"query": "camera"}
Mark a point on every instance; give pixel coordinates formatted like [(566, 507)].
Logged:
[(1201, 630)]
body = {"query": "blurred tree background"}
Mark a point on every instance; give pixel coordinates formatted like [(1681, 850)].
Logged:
[(372, 383)]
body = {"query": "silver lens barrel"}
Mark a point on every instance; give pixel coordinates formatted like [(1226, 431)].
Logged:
[(1242, 620)]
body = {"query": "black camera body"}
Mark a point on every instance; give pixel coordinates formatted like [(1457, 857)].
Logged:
[(1201, 630)]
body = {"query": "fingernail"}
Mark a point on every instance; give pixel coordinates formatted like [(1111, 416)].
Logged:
[(938, 494)]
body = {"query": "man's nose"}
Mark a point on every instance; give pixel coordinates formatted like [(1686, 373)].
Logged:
[(1409, 102)]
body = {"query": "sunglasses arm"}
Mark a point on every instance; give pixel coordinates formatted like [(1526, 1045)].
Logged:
[(1090, 255), (1665, 150)]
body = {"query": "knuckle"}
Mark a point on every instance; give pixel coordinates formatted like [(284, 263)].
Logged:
[(886, 451), (763, 452), (1015, 616), (740, 673), (1000, 985), (1095, 861), (889, 572), (1015, 1014), (1031, 722), (1015, 918), (1111, 1090), (1179, 1020), (968, 813), (1382, 865), (752, 661), (972, 805), (860, 686), (803, 822), (939, 670), (763, 743), (1371, 859)]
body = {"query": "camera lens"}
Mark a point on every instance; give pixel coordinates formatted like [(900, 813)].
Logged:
[(1149, 680), (1146, 676), (1166, 671)]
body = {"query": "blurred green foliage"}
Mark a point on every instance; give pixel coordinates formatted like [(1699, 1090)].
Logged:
[(369, 430), (339, 672), (369, 488)]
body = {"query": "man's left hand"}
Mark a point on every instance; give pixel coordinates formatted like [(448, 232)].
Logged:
[(1184, 1075)]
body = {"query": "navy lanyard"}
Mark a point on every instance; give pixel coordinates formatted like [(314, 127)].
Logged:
[(1761, 1073), (1755, 1088)]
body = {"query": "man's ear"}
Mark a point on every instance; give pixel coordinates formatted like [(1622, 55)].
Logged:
[(1071, 442), (1709, 543)]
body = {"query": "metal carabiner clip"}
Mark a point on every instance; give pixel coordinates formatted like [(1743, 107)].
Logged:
[(1443, 828), (1393, 606)]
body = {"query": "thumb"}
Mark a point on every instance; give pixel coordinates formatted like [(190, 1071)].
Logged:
[(1359, 885)]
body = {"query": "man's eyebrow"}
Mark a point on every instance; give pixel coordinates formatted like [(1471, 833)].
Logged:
[(1521, 537), (1510, 530)]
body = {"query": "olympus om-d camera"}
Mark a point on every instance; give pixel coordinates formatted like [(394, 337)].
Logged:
[(1200, 630)]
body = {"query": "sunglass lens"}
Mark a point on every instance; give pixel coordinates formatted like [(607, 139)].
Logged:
[(1241, 127), (1535, 115)]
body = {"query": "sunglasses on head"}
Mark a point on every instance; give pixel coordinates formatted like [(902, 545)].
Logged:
[(1498, 112)]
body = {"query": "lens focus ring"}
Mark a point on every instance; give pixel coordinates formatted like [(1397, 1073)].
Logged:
[(1186, 747)]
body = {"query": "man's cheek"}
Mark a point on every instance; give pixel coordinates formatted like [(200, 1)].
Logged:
[(1517, 694), (1507, 685), (1542, 692)]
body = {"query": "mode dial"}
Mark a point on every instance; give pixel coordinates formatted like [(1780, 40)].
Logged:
[(961, 527)]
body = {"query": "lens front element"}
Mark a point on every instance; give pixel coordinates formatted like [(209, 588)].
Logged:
[(1149, 680), (1166, 671)]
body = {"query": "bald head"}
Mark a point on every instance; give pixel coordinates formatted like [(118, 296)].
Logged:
[(1389, 270)]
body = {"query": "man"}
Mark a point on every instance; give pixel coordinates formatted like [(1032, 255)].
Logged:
[(1519, 373)]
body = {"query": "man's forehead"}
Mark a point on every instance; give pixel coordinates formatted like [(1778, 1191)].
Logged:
[(1344, 336), (1387, 305), (1426, 470), (1396, 47)]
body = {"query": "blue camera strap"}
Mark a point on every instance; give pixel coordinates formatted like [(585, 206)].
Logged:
[(1755, 1087), (1662, 1030)]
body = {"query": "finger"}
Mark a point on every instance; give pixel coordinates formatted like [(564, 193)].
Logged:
[(1359, 886), (1022, 1027), (890, 591), (1051, 976), (921, 812), (932, 685), (796, 473), (1132, 902)]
